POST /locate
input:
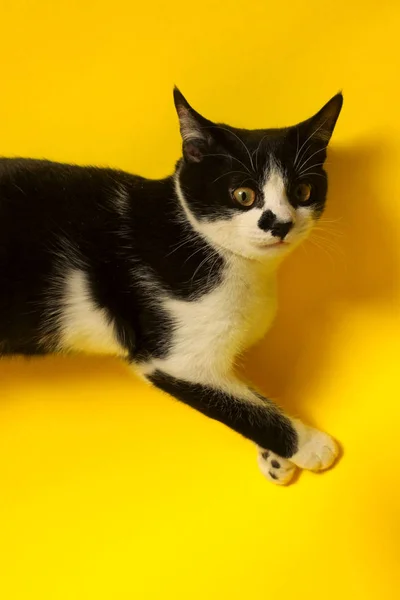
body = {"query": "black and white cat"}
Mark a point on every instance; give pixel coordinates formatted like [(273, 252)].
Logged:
[(176, 276)]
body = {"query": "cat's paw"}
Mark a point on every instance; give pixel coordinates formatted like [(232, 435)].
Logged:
[(276, 469), (317, 450)]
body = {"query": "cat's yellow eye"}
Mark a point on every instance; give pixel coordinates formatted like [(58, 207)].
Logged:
[(244, 196), (302, 192)]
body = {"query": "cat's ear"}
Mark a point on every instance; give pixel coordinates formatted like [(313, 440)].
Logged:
[(320, 127), (195, 129)]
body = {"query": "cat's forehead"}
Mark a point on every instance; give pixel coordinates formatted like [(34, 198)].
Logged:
[(261, 148), (257, 138)]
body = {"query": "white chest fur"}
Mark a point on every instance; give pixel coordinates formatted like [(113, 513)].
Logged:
[(210, 332)]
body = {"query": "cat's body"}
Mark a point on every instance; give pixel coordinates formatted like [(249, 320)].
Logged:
[(98, 260), (102, 283)]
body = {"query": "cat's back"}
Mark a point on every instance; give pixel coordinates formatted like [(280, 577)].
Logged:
[(58, 223), (45, 203), (72, 239), (46, 184)]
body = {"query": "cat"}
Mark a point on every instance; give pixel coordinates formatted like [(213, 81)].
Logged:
[(176, 276)]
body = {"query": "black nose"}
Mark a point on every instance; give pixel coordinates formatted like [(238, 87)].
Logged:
[(281, 229), (269, 222)]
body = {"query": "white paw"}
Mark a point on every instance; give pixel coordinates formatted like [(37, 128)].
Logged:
[(276, 469), (317, 450)]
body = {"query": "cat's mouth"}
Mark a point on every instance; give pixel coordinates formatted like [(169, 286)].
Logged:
[(266, 245)]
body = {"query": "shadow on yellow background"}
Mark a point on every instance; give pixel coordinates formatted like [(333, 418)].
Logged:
[(349, 264), (110, 489)]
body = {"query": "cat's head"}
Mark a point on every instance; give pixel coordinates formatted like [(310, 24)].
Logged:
[(258, 192)]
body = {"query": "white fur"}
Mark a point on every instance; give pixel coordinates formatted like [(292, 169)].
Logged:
[(317, 450), (209, 333), (281, 475), (275, 198), (84, 327)]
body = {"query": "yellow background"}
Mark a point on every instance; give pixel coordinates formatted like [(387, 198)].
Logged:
[(110, 490)]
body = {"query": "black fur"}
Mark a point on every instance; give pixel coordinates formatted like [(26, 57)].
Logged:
[(46, 206), (264, 425), (131, 235)]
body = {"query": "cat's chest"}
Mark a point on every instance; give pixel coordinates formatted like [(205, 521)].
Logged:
[(222, 323)]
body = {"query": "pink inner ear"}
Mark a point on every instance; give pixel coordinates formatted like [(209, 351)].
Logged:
[(189, 127), (192, 151)]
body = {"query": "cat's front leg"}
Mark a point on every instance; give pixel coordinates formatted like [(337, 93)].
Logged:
[(283, 442)]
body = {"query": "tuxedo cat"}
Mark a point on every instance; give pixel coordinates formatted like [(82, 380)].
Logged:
[(176, 276)]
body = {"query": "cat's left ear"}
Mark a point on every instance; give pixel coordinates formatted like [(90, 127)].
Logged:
[(195, 129), (320, 127)]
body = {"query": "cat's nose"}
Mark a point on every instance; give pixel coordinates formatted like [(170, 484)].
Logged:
[(269, 222), (281, 229)]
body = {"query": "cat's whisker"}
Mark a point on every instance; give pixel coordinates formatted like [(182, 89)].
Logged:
[(248, 179), (232, 158), (310, 157), (304, 153), (258, 148), (180, 245), (334, 238), (215, 262), (193, 254), (329, 231), (320, 247), (311, 136), (313, 173), (297, 146), (330, 244), (303, 246), (311, 167), (238, 138), (203, 262), (228, 173), (323, 219)]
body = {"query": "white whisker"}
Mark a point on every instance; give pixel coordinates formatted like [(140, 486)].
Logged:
[(195, 252), (320, 247), (313, 173), (311, 167), (232, 158), (238, 138), (228, 173), (310, 157), (181, 244), (325, 220), (258, 148), (329, 231), (203, 262), (297, 146), (312, 135), (215, 262), (329, 243)]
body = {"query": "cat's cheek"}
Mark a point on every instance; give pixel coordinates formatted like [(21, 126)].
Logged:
[(248, 233), (236, 233), (304, 224)]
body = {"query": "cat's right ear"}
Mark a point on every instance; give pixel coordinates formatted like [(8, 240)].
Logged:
[(195, 132)]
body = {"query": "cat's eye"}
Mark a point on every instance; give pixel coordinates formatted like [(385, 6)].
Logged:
[(244, 196), (302, 192)]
